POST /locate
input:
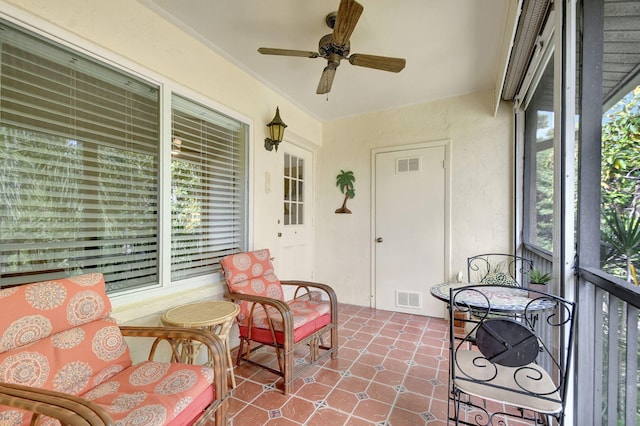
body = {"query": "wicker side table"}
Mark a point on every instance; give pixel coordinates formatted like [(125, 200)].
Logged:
[(215, 316)]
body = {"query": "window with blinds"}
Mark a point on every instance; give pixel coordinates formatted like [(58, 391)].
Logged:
[(208, 188), (79, 172)]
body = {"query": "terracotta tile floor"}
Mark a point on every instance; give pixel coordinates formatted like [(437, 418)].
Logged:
[(391, 370)]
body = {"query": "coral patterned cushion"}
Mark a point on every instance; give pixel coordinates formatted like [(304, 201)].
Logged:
[(303, 311), (251, 273), (72, 361), (156, 392), (56, 335), (35, 311)]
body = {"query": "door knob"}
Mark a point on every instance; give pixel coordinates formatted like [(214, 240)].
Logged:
[(379, 240)]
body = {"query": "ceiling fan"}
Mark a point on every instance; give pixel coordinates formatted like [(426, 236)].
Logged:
[(335, 46)]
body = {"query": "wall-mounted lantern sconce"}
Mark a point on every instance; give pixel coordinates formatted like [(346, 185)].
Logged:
[(276, 132)]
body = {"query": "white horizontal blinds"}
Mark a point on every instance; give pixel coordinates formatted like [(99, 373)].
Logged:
[(207, 189), (79, 161)]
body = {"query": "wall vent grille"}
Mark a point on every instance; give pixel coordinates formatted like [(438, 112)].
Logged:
[(408, 165), (408, 299)]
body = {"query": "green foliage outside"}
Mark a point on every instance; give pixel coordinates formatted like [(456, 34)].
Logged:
[(187, 209), (55, 217), (620, 226), (544, 198), (34, 180), (621, 187)]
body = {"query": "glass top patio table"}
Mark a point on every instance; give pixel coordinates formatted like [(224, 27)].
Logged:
[(502, 298)]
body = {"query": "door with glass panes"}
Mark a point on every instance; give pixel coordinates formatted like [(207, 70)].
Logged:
[(296, 241)]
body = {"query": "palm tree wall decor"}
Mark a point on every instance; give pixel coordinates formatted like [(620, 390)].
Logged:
[(345, 181)]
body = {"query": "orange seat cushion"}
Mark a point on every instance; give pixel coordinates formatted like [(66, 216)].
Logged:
[(264, 335), (155, 393), (72, 361), (303, 311)]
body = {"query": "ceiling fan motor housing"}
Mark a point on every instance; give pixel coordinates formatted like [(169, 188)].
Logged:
[(327, 47)]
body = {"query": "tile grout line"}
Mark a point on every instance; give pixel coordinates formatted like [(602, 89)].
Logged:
[(322, 404), (364, 316), (404, 377)]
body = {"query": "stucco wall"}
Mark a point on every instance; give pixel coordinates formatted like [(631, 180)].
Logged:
[(481, 184)]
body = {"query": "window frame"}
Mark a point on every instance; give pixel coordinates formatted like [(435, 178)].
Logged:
[(545, 52), (167, 87), (532, 147)]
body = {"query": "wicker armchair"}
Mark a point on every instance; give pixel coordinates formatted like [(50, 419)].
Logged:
[(266, 319), (62, 357)]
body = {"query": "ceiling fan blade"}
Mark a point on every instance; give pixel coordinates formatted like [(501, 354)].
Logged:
[(349, 12), (384, 63), (288, 52), (326, 80)]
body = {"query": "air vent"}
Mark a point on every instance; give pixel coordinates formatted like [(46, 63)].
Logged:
[(408, 299), (408, 165)]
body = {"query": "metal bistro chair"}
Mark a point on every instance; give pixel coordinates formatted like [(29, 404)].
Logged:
[(516, 367), (498, 269)]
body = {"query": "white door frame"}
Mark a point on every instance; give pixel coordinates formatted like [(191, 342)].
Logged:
[(446, 143)]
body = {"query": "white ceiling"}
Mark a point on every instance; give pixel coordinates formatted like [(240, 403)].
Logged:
[(452, 47)]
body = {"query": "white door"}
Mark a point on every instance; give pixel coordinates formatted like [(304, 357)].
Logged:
[(296, 235), (410, 228)]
